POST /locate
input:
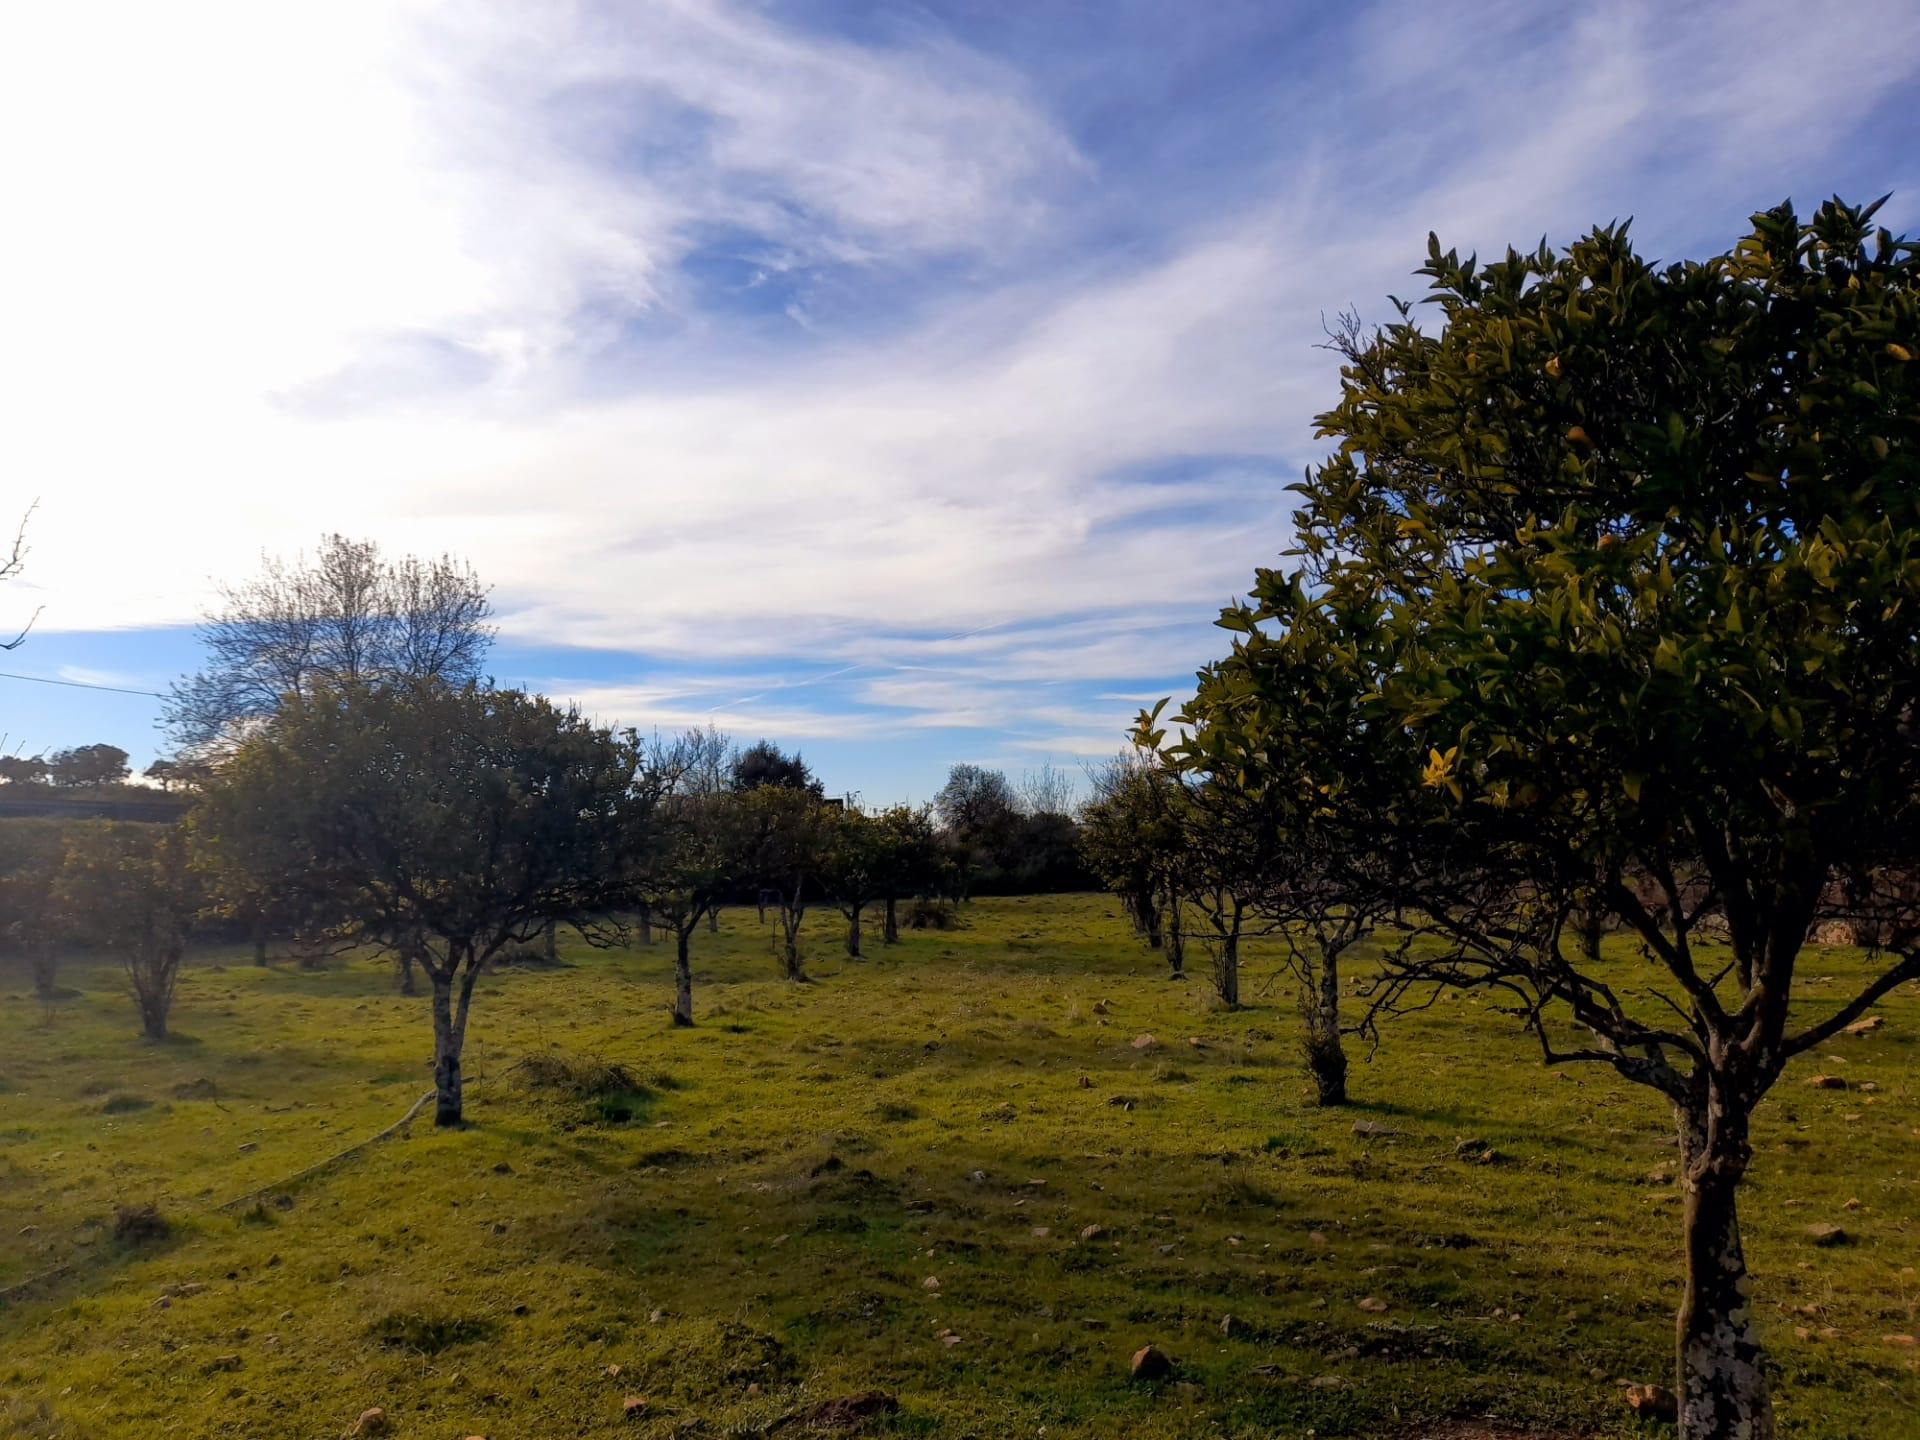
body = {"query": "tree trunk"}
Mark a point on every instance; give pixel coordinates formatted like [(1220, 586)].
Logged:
[(1146, 918), (1326, 1059), (1226, 969), (152, 973), (713, 920), (553, 942), (646, 928), (407, 983), (449, 1038), (790, 918), (259, 931), (1722, 1381), (683, 976), (46, 974), (853, 933), (1176, 940), (890, 932)]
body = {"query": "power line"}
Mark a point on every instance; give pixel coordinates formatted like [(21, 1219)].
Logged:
[(79, 684)]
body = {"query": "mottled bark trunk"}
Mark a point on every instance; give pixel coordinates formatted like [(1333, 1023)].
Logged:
[(1226, 969), (791, 914), (1722, 1382), (152, 974), (646, 928), (683, 977), (449, 1039), (1176, 937), (258, 931), (1145, 910), (552, 940), (713, 920), (408, 985), (1326, 1058), (853, 932), (890, 932)]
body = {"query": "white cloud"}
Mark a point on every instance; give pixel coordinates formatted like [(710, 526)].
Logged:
[(247, 221)]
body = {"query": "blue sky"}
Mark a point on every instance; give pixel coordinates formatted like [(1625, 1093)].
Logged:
[(907, 383)]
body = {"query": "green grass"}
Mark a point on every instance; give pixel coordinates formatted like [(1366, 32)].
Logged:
[(743, 1217)]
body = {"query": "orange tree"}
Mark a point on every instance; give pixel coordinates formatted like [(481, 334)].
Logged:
[(133, 890), (438, 822), (1629, 558)]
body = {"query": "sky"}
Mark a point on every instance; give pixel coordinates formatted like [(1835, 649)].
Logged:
[(907, 383)]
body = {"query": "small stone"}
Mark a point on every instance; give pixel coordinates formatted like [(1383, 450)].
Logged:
[(1370, 1129), (949, 1339), (1150, 1362), (613, 1372), (1232, 1325), (503, 1168), (1904, 1342), (1086, 1082), (221, 1363), (1826, 1082), (1165, 1249), (1373, 1305), (372, 1422), (1099, 1007), (1326, 1382), (1092, 1232), (978, 1177), (1196, 1042), (1827, 1235), (1652, 1402), (1041, 1232), (654, 1317), (1853, 1204), (633, 1407), (1866, 1026), (932, 1282), (1318, 1237), (1144, 1042)]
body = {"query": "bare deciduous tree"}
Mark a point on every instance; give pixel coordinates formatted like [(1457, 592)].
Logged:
[(347, 616)]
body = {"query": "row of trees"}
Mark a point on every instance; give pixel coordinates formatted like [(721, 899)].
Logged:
[(1603, 621), (76, 767), (1200, 856), (442, 825)]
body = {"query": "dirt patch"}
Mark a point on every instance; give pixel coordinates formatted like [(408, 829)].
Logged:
[(848, 1412)]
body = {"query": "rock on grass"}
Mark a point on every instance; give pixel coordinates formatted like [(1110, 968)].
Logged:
[(1150, 1362)]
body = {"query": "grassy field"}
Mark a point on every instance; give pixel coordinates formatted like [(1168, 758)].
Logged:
[(948, 1172)]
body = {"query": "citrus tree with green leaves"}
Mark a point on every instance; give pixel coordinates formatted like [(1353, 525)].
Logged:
[(438, 822), (133, 891), (31, 854), (1631, 554)]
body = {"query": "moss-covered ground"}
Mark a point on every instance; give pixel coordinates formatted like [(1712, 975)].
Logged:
[(947, 1173)]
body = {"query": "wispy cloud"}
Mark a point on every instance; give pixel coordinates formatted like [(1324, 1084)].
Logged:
[(528, 282)]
